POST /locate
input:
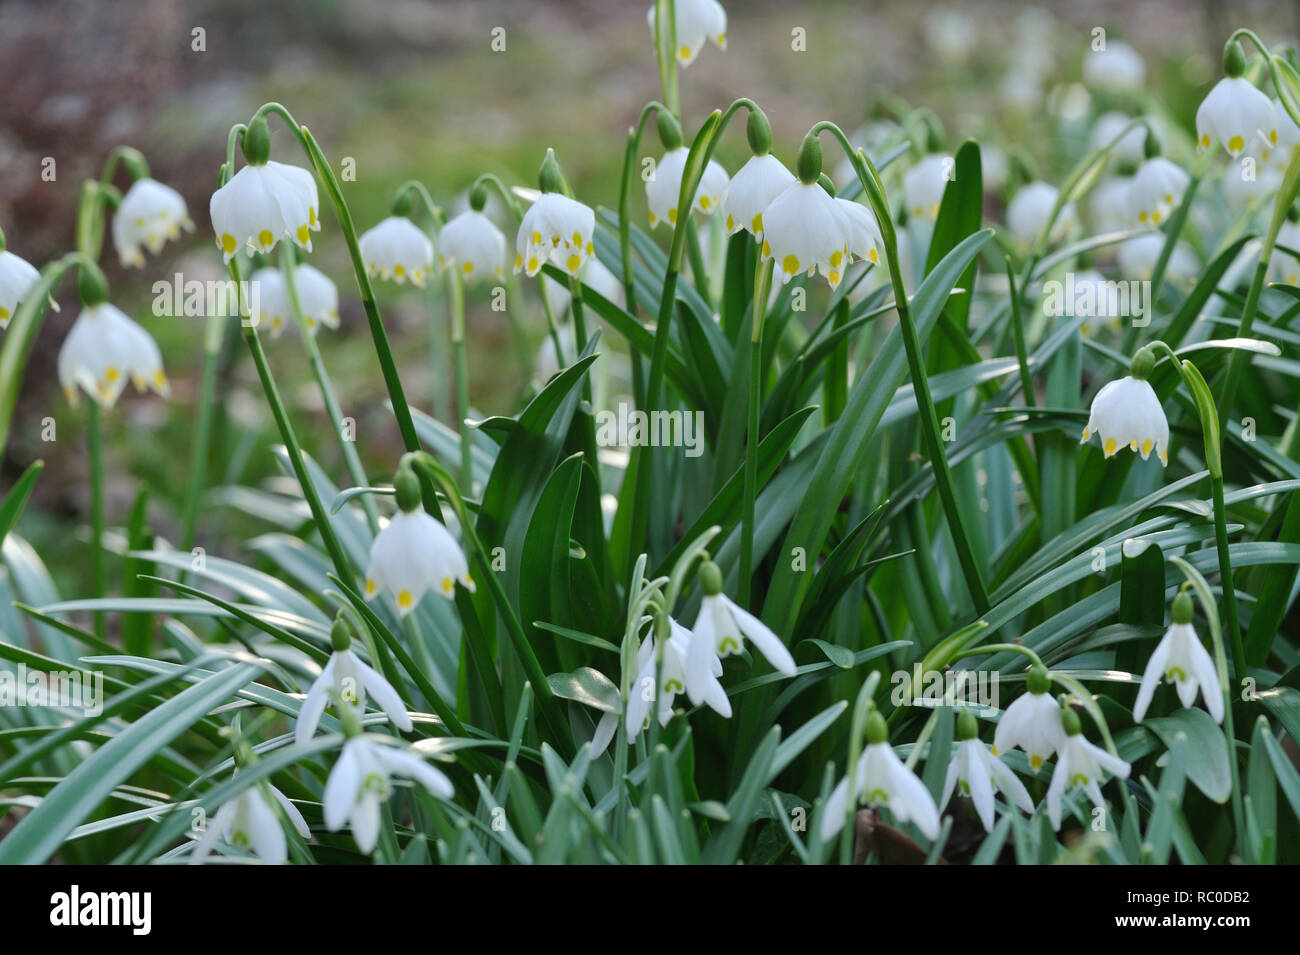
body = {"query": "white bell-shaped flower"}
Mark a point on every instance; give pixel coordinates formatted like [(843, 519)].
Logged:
[(347, 678), (1032, 722), (1128, 148), (149, 214), (882, 780), (663, 189), (752, 190), (252, 821), (270, 306), (555, 229), (865, 241), (361, 782), (977, 773), (1180, 659), (804, 231), (472, 243), (1080, 763), (1127, 413), (1030, 209), (698, 21), (1156, 190), (924, 185), (397, 249), (645, 692), (1116, 68), (1236, 116), (1108, 204), (103, 351), (263, 204), (17, 278)]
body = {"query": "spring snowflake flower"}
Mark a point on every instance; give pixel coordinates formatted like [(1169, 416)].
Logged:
[(473, 243), (348, 677), (1237, 116), (397, 249), (720, 630), (262, 204), (882, 780), (978, 773), (103, 351), (803, 231), (1128, 149), (865, 242), (1032, 722), (752, 190), (1030, 209), (1182, 660), (1156, 189), (555, 229), (1127, 413), (361, 782), (149, 214), (252, 821), (1080, 764), (1116, 68), (698, 21), (318, 297), (414, 553), (924, 184), (17, 278), (676, 652), (664, 189)]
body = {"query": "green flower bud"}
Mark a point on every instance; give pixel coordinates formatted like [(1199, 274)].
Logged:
[(759, 132), (340, 634), (1144, 362), (710, 579), (257, 142), (825, 182), (92, 287), (1234, 59), (407, 486), (478, 197), (967, 726), (809, 166), (1038, 679), (670, 131), (137, 167), (403, 203), (1070, 721), (550, 177), (1183, 608), (877, 728)]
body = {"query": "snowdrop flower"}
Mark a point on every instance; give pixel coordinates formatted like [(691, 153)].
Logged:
[(664, 188), (1115, 68), (361, 782), (924, 184), (149, 214), (1128, 148), (752, 190), (1156, 190), (350, 678), (264, 202), (252, 821), (1030, 209), (17, 278), (882, 780), (720, 630), (1182, 660), (803, 231), (318, 297), (697, 21), (865, 242), (1108, 204), (978, 773), (473, 243), (1080, 764), (555, 229), (1032, 722), (397, 249), (1127, 413), (1235, 114), (103, 351), (1137, 257), (676, 650), (414, 553)]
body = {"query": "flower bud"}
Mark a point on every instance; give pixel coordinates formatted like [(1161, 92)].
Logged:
[(1183, 609), (407, 486), (967, 727), (478, 197), (710, 579), (877, 728), (92, 287), (403, 203), (550, 177), (670, 131), (759, 132), (1234, 59), (257, 142), (1070, 721), (1038, 680), (137, 167), (1144, 362), (341, 634), (809, 166)]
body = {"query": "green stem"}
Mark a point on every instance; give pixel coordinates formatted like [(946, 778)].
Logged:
[(666, 52), (762, 283), (1225, 577), (99, 574), (213, 339), (1237, 363), (456, 306), (1022, 351)]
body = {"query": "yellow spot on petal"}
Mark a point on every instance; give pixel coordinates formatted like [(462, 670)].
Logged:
[(1272, 136), (1036, 761), (111, 374), (1110, 447), (672, 216), (1204, 141), (573, 263), (705, 202), (519, 260), (836, 258), (159, 379), (533, 265), (757, 224), (684, 52), (227, 243), (265, 239), (404, 600), (370, 586), (790, 264), (875, 259), (537, 238), (467, 268), (731, 223), (1155, 217), (1087, 433), (767, 249), (1142, 216), (833, 278), (302, 235), (994, 749), (399, 270), (591, 249), (448, 586), (1146, 448), (311, 216), (577, 239), (1236, 144)]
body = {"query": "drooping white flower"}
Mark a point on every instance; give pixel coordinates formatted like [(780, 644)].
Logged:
[(348, 678), (361, 782), (1108, 204), (645, 692), (1032, 722), (1115, 68), (698, 21), (883, 780), (924, 185), (805, 231), (1127, 413), (1156, 190), (1137, 257), (414, 554), (1237, 116), (149, 214), (865, 242), (1080, 764), (252, 821), (397, 249), (555, 229), (752, 190), (1030, 209), (269, 301), (472, 243), (1128, 148), (1180, 659), (105, 349), (263, 204), (663, 189), (17, 278), (978, 774)]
